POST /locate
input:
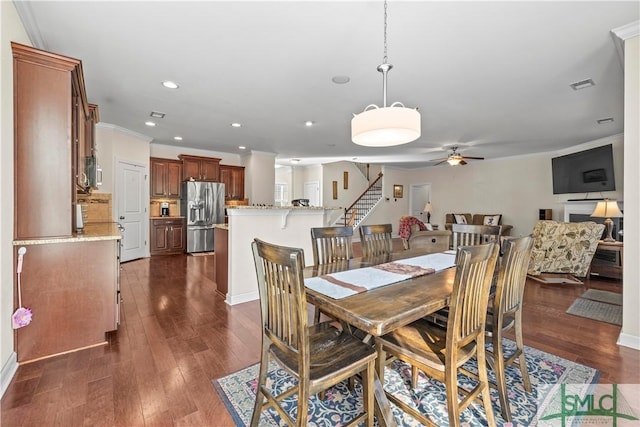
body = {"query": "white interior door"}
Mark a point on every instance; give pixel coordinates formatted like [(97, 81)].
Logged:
[(131, 208), (312, 192), (419, 196)]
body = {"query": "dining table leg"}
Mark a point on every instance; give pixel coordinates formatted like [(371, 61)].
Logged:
[(383, 410)]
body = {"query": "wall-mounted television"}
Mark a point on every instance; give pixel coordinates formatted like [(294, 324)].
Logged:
[(588, 171)]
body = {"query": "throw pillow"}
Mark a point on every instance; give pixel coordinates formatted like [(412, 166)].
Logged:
[(459, 218), (492, 219)]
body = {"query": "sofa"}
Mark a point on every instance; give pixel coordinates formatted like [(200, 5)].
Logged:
[(476, 219), (564, 247), (416, 234)]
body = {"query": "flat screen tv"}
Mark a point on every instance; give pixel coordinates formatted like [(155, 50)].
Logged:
[(589, 171)]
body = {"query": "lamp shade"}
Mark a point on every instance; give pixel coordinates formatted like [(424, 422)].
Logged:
[(427, 208), (607, 209), (385, 127)]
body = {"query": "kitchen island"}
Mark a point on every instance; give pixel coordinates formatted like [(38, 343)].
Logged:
[(280, 225), (71, 284)]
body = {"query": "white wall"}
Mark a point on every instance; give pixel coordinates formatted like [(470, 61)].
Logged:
[(11, 29), (114, 143), (630, 335), (515, 187), (260, 177), (335, 172)]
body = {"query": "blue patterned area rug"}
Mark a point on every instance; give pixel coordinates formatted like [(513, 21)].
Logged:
[(341, 405)]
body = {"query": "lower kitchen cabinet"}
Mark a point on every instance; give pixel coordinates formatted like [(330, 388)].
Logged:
[(168, 236), (72, 290)]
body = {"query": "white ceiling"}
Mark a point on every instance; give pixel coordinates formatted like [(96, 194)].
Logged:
[(491, 77)]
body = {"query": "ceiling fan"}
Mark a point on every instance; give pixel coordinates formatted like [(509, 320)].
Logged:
[(455, 158)]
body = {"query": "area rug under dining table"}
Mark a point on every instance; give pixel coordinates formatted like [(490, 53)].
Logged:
[(340, 404)]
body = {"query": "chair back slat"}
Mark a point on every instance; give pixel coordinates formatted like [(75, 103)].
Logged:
[(282, 296), (468, 306), (513, 275), (331, 244), (470, 235), (376, 240)]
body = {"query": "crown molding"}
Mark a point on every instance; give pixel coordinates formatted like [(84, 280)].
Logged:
[(30, 25), (623, 33), (125, 131)]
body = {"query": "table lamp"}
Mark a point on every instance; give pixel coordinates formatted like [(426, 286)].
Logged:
[(607, 209), (427, 210)]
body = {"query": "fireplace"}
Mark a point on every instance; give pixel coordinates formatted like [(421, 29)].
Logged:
[(581, 211)]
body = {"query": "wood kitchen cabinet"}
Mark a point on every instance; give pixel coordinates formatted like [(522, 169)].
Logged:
[(233, 179), (200, 168), (166, 178), (49, 111), (72, 288), (168, 236)]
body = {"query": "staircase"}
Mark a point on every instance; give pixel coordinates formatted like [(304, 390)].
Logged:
[(358, 211)]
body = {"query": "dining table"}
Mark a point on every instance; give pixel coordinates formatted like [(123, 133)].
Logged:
[(383, 309)]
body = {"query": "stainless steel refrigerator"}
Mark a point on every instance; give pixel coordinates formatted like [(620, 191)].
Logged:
[(202, 205)]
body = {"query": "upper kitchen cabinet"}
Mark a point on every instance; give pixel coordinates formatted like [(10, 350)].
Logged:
[(233, 179), (200, 168), (166, 178), (90, 130), (50, 110)]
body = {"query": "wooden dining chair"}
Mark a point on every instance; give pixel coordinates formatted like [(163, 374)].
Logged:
[(440, 352), (330, 245), (506, 314), (468, 234), (376, 239), (317, 356)]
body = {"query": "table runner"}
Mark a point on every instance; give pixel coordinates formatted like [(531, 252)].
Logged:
[(346, 283)]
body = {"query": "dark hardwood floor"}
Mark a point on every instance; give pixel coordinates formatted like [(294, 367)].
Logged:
[(177, 334)]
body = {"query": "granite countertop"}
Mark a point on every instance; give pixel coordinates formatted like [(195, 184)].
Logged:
[(166, 217), (221, 226), (307, 208), (91, 232)]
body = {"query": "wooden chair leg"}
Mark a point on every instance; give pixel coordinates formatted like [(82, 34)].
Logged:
[(367, 392), (498, 366), (522, 360), (482, 375), (414, 377), (451, 387), (262, 379)]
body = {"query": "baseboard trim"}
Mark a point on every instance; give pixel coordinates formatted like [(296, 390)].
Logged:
[(630, 341), (239, 299), (8, 371)]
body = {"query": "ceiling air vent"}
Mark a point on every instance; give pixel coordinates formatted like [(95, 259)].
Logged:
[(582, 84)]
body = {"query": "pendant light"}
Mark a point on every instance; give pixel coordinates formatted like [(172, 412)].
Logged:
[(385, 126)]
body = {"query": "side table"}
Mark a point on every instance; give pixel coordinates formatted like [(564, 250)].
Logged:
[(608, 260)]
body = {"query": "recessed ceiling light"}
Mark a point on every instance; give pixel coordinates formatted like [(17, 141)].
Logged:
[(236, 125), (605, 120), (340, 80), (157, 114), (177, 138), (170, 85), (582, 84), (152, 124), (242, 147), (309, 123)]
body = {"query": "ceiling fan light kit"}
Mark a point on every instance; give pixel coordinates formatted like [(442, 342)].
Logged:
[(385, 126)]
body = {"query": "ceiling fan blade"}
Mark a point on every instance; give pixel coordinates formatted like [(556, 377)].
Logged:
[(473, 158), (462, 163), (440, 162)]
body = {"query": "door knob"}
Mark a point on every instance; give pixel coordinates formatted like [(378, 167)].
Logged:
[(121, 217)]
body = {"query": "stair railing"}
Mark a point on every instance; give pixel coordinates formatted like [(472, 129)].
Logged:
[(348, 210)]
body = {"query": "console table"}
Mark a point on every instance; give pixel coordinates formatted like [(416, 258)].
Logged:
[(607, 262)]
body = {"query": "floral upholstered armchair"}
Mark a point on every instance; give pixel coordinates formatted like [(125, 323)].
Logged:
[(564, 247)]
